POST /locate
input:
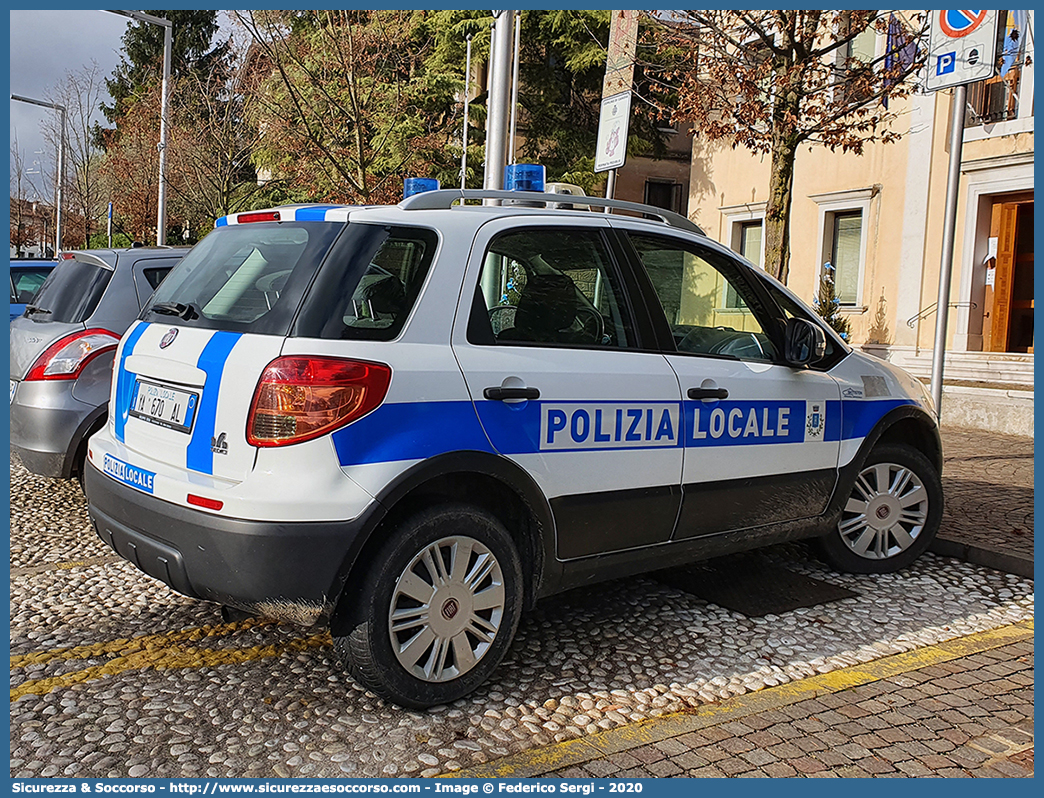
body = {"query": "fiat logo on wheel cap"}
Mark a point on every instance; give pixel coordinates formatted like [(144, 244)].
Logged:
[(449, 609), (168, 339), (882, 512)]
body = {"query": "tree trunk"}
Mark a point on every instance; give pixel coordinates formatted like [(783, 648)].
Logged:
[(785, 141)]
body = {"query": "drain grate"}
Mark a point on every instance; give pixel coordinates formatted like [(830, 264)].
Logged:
[(752, 584)]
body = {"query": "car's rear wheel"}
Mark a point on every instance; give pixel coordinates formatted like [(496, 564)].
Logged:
[(891, 514), (439, 608)]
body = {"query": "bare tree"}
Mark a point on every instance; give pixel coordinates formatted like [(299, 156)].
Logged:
[(81, 93), (772, 81), (20, 224), (211, 144)]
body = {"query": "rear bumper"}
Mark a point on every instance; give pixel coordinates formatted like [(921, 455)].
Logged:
[(47, 425), (281, 570)]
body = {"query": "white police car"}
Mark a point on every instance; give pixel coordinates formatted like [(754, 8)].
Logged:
[(409, 422)]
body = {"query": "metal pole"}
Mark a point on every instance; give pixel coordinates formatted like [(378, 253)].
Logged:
[(161, 206), (953, 180), (514, 89), (110, 225), (610, 187), (467, 89), (59, 192), (499, 96), (60, 167)]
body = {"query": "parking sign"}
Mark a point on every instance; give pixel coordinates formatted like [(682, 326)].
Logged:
[(961, 48)]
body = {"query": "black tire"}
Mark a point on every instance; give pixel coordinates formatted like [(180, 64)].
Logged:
[(367, 650), (890, 549)]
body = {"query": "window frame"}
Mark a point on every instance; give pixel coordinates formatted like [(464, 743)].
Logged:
[(839, 203), (768, 314), (479, 332)]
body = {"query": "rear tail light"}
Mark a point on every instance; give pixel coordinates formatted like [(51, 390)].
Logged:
[(67, 357), (299, 398)]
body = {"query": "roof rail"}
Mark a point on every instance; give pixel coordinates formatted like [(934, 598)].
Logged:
[(444, 199)]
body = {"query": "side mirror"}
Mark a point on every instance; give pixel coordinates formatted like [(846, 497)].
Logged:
[(804, 342)]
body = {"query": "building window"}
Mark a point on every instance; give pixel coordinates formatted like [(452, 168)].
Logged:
[(843, 220), (664, 194), (748, 244), (1003, 104), (846, 246)]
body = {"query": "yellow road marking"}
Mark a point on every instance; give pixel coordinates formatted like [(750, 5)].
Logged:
[(154, 651), (538, 761)]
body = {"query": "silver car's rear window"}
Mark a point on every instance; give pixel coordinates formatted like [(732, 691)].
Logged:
[(70, 293)]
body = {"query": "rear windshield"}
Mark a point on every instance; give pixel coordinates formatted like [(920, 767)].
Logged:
[(70, 293), (255, 277), (244, 278)]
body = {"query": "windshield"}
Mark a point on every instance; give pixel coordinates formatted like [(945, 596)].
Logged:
[(70, 293), (244, 278)]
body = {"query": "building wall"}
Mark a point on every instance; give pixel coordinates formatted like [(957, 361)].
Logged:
[(900, 189)]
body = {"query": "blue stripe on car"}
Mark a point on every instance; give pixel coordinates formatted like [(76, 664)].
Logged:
[(315, 214), (418, 430), (410, 431), (125, 382), (198, 455)]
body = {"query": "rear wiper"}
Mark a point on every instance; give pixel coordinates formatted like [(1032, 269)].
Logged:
[(187, 312), (31, 309)]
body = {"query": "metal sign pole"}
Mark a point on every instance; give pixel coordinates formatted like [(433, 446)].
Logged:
[(953, 180), (467, 89)]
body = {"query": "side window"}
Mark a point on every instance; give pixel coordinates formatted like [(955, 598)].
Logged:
[(155, 276), (551, 286), (711, 310)]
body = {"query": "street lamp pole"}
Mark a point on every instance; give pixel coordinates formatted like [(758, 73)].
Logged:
[(61, 166), (168, 33)]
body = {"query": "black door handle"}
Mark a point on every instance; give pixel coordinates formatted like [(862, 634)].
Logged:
[(708, 393), (499, 394)]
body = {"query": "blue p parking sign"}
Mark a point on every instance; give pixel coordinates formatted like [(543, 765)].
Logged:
[(961, 47)]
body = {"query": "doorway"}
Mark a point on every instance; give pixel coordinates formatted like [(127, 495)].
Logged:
[(1008, 320)]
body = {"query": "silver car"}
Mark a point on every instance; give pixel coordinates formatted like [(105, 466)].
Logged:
[(62, 350)]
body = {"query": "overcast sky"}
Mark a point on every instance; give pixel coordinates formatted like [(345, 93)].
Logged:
[(45, 45)]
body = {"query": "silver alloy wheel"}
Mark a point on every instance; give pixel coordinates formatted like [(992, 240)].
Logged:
[(446, 609), (885, 513)]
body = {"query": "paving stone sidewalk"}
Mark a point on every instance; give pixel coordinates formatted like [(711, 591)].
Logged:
[(988, 493), (969, 717)]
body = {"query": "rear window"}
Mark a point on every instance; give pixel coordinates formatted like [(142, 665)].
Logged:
[(245, 278), (70, 293)]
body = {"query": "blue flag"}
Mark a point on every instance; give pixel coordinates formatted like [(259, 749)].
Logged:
[(1012, 41)]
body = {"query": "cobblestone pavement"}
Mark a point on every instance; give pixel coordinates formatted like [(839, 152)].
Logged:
[(971, 716), (988, 489), (113, 674)]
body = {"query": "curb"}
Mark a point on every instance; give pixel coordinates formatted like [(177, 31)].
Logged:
[(539, 761), (986, 557)]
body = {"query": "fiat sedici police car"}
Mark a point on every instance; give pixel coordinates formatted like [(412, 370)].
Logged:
[(408, 423)]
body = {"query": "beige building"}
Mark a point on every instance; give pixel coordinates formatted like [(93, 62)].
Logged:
[(878, 218)]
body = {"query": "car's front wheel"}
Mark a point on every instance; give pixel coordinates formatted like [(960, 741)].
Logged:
[(891, 514), (440, 605)]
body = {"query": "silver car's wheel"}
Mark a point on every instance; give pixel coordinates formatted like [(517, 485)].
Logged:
[(885, 513), (446, 609), (890, 514)]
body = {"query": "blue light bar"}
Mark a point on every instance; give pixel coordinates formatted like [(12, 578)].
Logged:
[(418, 185), (524, 177)]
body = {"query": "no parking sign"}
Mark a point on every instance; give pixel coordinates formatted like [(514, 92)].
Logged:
[(961, 48)]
